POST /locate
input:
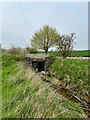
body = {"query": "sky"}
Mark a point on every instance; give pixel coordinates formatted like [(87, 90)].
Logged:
[(20, 20)]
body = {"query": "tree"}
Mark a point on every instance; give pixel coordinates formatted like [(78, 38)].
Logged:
[(65, 44), (45, 38)]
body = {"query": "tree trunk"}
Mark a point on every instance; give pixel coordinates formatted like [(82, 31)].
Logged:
[(46, 51)]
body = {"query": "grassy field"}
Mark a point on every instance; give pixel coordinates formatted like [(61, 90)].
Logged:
[(82, 53), (25, 95), (74, 73)]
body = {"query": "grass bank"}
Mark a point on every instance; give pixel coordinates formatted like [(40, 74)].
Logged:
[(25, 95), (74, 74)]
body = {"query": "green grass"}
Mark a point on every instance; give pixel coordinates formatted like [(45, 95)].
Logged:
[(82, 53), (25, 95), (0, 83), (74, 73)]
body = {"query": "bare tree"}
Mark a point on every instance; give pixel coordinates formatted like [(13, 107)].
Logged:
[(65, 44)]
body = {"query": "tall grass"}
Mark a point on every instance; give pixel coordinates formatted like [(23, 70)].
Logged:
[(74, 73), (25, 95)]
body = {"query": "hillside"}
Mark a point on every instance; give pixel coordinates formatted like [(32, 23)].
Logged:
[(26, 95)]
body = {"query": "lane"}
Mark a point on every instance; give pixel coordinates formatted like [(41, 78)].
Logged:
[(85, 58), (79, 58)]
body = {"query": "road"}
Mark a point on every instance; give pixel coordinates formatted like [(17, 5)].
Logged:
[(83, 58)]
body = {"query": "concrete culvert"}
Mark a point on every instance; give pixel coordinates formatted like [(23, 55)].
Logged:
[(41, 66), (38, 65), (38, 62)]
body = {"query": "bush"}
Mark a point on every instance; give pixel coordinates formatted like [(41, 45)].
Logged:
[(31, 50), (16, 51), (19, 58), (65, 44)]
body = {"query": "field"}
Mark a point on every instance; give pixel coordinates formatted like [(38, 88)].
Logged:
[(82, 53), (26, 95)]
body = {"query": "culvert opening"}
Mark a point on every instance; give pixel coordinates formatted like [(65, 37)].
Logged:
[(38, 65), (41, 66)]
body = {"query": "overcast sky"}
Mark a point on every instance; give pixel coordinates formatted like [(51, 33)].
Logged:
[(20, 21)]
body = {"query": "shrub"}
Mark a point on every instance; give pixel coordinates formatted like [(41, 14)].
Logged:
[(65, 44), (16, 51), (31, 50), (19, 58)]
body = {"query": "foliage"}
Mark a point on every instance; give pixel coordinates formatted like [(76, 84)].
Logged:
[(25, 95), (65, 44), (31, 50), (45, 38), (3, 51), (16, 51), (20, 58)]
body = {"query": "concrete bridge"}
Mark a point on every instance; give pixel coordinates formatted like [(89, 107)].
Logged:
[(39, 62)]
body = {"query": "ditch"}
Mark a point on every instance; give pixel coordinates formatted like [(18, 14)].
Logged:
[(66, 92)]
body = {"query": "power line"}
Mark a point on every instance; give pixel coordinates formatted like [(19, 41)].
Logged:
[(9, 25), (34, 13), (23, 19), (14, 18)]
